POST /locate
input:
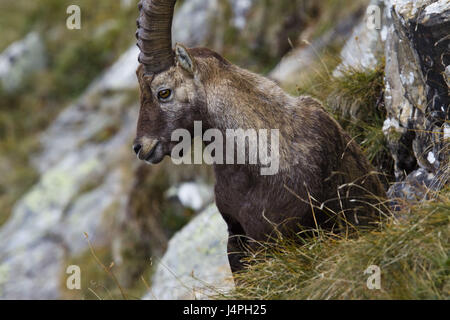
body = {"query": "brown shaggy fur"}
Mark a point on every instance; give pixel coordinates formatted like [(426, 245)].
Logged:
[(324, 179)]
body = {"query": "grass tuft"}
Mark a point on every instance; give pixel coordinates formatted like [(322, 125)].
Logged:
[(411, 250), (356, 100)]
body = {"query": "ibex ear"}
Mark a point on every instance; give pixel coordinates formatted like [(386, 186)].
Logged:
[(184, 58)]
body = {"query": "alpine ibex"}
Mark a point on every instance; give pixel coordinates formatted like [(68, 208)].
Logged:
[(323, 177)]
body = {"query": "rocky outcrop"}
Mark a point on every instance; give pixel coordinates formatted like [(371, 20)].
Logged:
[(297, 62), (82, 187), (412, 40), (417, 94), (365, 46), (195, 265)]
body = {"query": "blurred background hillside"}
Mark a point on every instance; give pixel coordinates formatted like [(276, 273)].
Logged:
[(71, 191)]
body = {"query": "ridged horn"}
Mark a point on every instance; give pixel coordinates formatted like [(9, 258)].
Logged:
[(154, 34)]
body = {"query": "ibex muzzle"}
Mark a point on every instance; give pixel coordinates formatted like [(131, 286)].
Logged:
[(323, 178)]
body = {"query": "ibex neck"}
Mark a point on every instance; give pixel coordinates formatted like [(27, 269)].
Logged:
[(240, 99)]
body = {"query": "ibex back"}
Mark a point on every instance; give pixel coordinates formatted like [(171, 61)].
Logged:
[(323, 178)]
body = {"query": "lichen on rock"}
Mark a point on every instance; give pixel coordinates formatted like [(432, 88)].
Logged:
[(417, 94)]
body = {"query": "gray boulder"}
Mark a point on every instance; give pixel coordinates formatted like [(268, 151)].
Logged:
[(20, 60), (82, 188), (192, 195), (417, 93), (366, 44), (413, 40), (195, 265)]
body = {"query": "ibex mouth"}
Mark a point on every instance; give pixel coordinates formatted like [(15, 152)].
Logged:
[(148, 157)]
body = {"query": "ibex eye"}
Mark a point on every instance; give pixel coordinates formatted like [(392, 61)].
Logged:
[(164, 94)]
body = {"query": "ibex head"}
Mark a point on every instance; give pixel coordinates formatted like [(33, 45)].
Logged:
[(171, 94)]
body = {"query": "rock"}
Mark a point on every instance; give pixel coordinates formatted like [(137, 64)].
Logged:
[(418, 185), (83, 187), (252, 26), (83, 192), (413, 40), (121, 76), (207, 22), (154, 213), (298, 61), (86, 180), (192, 195), (240, 10), (195, 265), (365, 47), (447, 75), (39, 273), (127, 3), (274, 27), (417, 95), (20, 60), (192, 22)]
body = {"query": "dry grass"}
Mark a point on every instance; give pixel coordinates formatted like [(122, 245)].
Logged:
[(411, 248)]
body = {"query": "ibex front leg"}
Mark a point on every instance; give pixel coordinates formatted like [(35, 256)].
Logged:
[(236, 252), (236, 247)]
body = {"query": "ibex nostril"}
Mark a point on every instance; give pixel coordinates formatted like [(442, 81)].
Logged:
[(137, 148)]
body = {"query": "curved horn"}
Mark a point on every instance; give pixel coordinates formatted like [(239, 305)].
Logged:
[(154, 34)]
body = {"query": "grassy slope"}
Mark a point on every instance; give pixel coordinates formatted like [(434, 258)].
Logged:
[(412, 251)]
